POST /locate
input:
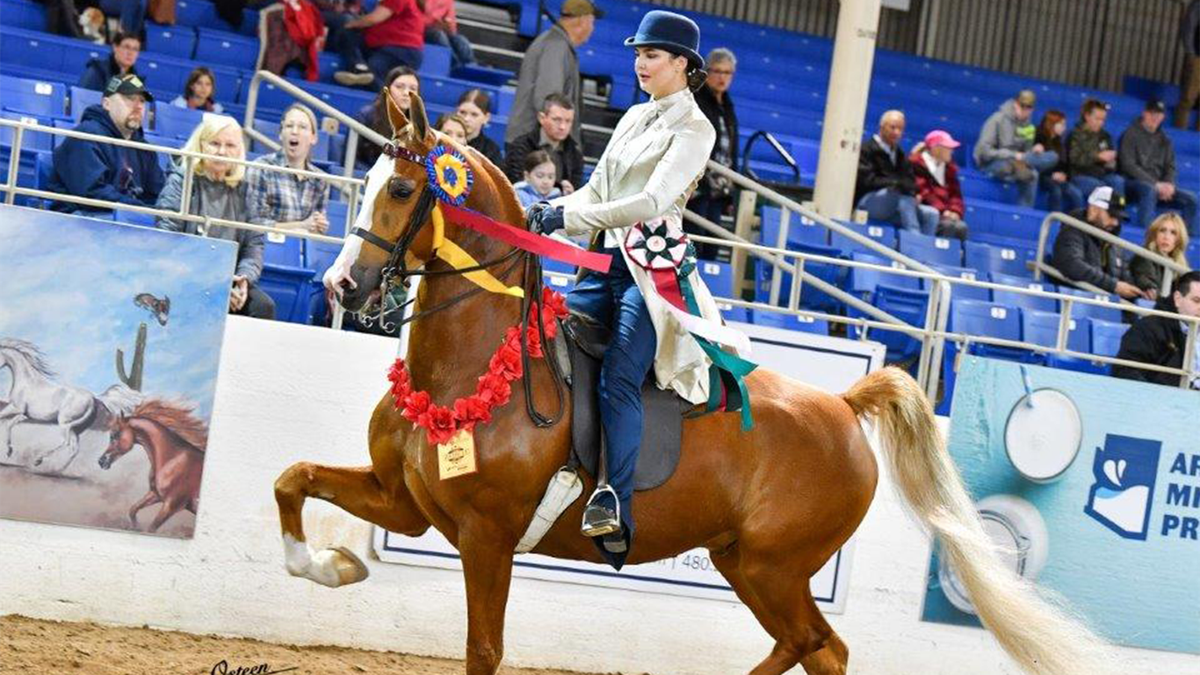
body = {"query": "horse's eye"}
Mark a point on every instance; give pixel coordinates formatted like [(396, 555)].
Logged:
[(401, 188)]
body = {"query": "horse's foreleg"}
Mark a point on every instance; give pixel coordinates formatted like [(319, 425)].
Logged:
[(70, 446), (356, 490), (10, 420), (169, 508), (487, 568), (150, 498)]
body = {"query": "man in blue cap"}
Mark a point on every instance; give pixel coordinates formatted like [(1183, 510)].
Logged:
[(105, 171)]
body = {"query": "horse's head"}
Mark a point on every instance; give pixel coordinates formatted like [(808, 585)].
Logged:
[(397, 235), (120, 441)]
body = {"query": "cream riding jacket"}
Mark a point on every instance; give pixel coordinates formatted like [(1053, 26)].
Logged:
[(652, 164)]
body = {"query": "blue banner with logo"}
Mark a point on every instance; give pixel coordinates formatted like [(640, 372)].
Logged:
[(1090, 487)]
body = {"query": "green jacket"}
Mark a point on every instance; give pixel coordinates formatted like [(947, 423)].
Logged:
[(1084, 145)]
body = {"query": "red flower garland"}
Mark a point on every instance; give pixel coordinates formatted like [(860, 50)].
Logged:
[(493, 389)]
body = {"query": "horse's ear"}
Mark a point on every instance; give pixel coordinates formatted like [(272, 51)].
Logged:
[(395, 115), (416, 112)]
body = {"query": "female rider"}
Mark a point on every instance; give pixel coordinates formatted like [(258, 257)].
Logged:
[(651, 165)]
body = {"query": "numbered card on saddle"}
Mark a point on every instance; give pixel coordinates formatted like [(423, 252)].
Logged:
[(457, 457)]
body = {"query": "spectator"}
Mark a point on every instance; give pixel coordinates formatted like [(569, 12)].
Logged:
[(1085, 258), (219, 191), (1189, 36), (554, 136), (1092, 155), (1159, 340), (401, 82), (104, 171), (1147, 160), (291, 32), (285, 200), (198, 92), (453, 126), (551, 66), (937, 182), (1168, 237), (441, 28), (475, 108), (1006, 149), (1061, 193), (887, 188), (100, 70), (392, 34), (539, 173), (714, 195)]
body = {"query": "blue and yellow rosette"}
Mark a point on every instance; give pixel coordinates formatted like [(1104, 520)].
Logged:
[(450, 177)]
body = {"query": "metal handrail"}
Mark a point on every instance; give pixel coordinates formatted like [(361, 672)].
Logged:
[(1170, 267), (779, 149)]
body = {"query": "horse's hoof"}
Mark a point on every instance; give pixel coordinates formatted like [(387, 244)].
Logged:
[(341, 564)]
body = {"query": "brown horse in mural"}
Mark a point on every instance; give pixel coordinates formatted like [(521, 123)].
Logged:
[(771, 505), (174, 440)]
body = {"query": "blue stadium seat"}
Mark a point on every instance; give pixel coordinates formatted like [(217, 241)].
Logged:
[(282, 250), (804, 324), (973, 317), (909, 305), (1041, 328), (862, 281), (882, 234), (810, 296), (799, 231), (1022, 300), (962, 291), (177, 41), (718, 276), (997, 259), (203, 14), (734, 313), (436, 61), (289, 287), (81, 99), (1078, 310), (33, 97), (227, 49), (1106, 336), (30, 140), (22, 14), (176, 122), (929, 249)]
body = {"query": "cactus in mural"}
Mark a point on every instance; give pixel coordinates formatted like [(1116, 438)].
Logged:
[(134, 379)]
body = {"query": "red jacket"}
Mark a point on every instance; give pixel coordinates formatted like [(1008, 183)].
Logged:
[(946, 197), (307, 28)]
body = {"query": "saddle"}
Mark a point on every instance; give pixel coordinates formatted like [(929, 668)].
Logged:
[(580, 356)]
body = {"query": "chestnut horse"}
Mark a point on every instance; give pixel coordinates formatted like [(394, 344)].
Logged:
[(174, 441), (771, 505)]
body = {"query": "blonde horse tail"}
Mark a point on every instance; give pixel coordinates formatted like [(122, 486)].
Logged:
[(1042, 637)]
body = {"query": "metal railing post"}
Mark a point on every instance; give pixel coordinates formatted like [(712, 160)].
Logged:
[(14, 165)]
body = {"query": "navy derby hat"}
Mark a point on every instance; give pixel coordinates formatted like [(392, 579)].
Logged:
[(671, 32)]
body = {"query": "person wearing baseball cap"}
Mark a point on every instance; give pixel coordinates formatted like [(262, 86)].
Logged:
[(1147, 160), (937, 182), (1085, 258), (1007, 150), (98, 170), (551, 66)]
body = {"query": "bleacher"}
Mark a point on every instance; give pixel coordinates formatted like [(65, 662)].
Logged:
[(38, 71)]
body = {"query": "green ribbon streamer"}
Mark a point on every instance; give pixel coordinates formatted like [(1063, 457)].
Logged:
[(737, 367)]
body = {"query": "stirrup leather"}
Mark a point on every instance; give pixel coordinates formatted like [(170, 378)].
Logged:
[(600, 520)]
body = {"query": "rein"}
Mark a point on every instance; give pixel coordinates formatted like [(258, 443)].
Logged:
[(395, 271)]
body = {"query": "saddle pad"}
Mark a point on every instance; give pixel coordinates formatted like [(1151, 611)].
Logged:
[(662, 418)]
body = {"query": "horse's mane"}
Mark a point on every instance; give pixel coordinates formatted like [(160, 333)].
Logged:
[(177, 417), (29, 352)]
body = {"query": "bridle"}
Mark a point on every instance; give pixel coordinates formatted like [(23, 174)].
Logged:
[(395, 272)]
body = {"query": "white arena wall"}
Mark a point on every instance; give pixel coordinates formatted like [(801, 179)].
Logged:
[(289, 393)]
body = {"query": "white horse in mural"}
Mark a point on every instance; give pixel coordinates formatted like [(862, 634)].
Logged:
[(36, 397)]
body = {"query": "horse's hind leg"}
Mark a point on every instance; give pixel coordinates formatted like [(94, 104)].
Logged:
[(150, 498), (783, 604), (356, 490)]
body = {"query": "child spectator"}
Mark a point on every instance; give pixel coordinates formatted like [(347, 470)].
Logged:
[(1168, 237), (198, 92), (219, 191), (453, 126), (285, 200), (937, 182), (1062, 195), (538, 184), (475, 108)]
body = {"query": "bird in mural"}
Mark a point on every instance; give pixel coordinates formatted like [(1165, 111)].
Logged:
[(159, 308)]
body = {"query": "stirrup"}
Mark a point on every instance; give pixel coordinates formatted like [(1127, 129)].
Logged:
[(600, 520)]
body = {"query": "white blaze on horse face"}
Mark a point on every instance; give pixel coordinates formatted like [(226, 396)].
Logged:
[(339, 272)]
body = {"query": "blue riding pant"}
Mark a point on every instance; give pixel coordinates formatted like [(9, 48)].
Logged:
[(614, 300)]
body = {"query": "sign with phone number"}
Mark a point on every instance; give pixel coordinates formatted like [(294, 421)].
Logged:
[(830, 363)]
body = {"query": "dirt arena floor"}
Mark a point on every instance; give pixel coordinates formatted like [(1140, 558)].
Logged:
[(34, 647)]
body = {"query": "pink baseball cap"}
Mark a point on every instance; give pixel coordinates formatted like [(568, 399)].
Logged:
[(938, 137)]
